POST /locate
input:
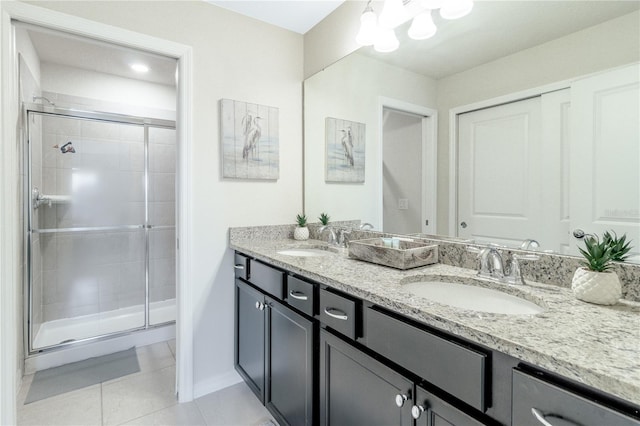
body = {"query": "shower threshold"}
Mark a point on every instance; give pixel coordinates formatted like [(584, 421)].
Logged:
[(60, 331)]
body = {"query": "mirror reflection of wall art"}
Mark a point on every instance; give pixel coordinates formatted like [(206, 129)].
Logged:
[(250, 142), (345, 143)]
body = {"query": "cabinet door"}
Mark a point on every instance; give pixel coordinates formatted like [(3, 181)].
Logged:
[(290, 362), (355, 389), (430, 410), (250, 330)]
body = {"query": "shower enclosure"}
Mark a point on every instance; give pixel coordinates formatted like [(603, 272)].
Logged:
[(100, 225)]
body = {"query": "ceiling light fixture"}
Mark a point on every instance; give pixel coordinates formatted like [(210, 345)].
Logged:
[(140, 68), (380, 31)]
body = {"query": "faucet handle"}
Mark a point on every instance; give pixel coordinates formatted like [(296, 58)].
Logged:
[(515, 271)]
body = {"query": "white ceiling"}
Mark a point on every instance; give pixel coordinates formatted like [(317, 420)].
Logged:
[(83, 53), (493, 29), (294, 15)]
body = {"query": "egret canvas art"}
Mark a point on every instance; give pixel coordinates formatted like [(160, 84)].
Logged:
[(345, 144), (250, 141)]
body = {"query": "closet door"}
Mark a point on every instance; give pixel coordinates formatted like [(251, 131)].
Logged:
[(499, 156), (605, 155)]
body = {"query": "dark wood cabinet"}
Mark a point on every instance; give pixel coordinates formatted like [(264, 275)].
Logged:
[(275, 346), (290, 368), (355, 389), (536, 401), (250, 337), (430, 410), (317, 355)]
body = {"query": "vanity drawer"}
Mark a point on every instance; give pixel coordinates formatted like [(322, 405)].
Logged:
[(300, 294), (456, 369), (269, 279), (533, 396), (241, 266), (339, 312)]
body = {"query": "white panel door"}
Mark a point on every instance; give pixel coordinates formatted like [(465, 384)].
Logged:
[(605, 154), (554, 172), (499, 152)]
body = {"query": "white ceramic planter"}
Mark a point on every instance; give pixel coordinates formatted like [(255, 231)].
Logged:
[(602, 288), (301, 233)]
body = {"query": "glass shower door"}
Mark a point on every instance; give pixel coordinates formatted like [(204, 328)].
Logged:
[(87, 216), (162, 221)]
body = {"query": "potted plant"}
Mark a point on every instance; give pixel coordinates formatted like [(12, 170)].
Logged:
[(301, 232), (594, 282), (619, 246), (324, 219)]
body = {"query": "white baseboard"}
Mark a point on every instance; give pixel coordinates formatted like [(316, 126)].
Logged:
[(216, 383)]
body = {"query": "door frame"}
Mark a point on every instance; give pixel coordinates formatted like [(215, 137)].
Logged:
[(453, 137), (429, 159), (9, 220)]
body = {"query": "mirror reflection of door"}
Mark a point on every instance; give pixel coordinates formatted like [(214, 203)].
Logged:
[(402, 189), (605, 156), (513, 172)]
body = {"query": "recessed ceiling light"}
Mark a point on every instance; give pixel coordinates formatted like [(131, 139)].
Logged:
[(140, 68)]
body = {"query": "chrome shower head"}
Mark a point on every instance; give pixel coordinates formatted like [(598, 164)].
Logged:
[(67, 147)]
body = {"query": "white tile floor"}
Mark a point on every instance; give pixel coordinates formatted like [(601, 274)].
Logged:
[(144, 398)]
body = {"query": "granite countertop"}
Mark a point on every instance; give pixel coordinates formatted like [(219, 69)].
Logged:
[(595, 345)]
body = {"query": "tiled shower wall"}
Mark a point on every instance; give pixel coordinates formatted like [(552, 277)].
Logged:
[(91, 272)]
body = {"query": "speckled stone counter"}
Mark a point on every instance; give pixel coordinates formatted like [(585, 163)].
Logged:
[(595, 345)]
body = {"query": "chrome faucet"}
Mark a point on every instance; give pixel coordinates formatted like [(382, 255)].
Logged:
[(343, 237), (513, 266), (333, 239), (529, 244), (491, 265), (365, 226), (337, 237)]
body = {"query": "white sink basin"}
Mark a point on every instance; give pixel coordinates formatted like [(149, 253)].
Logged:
[(472, 298), (304, 252)]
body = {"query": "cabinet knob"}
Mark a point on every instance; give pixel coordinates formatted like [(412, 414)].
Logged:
[(416, 411), (400, 399), (260, 306), (239, 266)]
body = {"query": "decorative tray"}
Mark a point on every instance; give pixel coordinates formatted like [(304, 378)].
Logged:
[(400, 253)]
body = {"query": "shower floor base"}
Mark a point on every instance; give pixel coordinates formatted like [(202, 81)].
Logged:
[(64, 330)]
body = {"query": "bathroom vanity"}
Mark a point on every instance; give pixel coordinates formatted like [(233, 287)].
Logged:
[(330, 340)]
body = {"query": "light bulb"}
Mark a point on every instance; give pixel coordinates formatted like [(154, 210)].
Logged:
[(393, 14), (138, 67), (368, 27), (386, 41), (422, 26), (454, 9)]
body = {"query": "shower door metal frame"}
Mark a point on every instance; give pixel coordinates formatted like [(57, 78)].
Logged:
[(79, 114)]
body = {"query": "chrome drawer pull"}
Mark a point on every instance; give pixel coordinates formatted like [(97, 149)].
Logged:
[(538, 415), (239, 266), (298, 295), (543, 419), (336, 313)]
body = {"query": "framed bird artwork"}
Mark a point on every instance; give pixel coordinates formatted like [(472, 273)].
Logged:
[(345, 150), (250, 142)]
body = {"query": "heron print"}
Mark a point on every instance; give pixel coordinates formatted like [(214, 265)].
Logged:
[(345, 148), (250, 142)]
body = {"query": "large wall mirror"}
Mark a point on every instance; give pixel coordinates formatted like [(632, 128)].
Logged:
[(518, 121)]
